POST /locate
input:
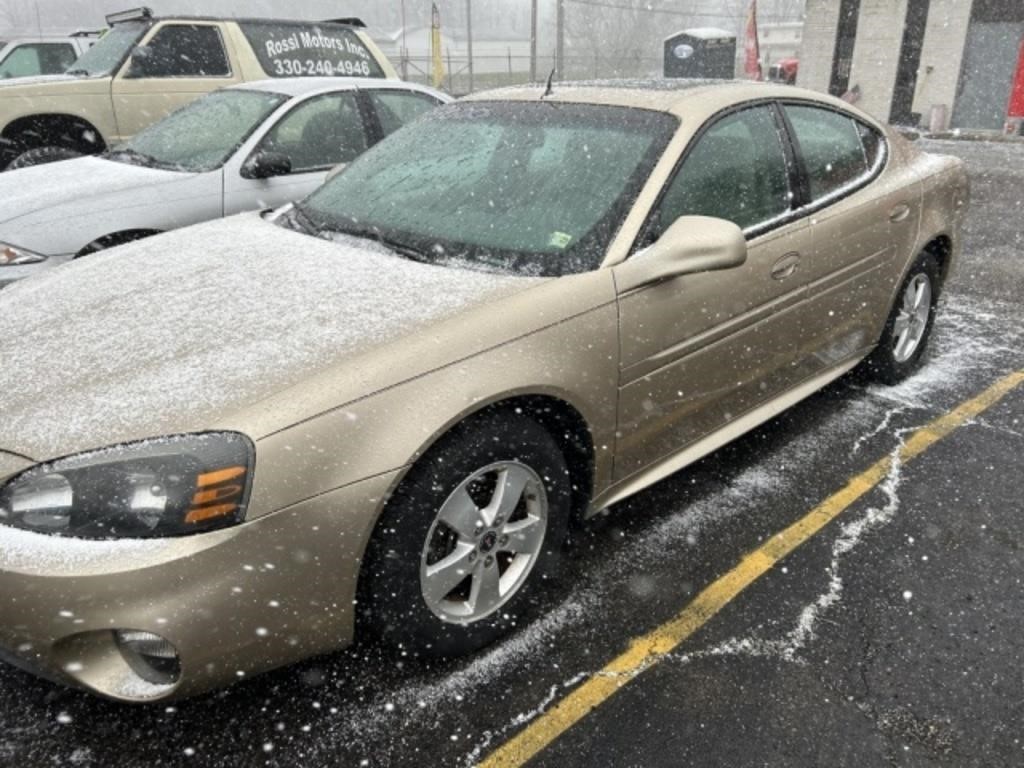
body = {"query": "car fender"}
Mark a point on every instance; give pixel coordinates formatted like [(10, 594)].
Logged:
[(190, 199), (573, 359)]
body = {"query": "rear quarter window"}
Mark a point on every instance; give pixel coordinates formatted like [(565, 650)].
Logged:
[(299, 50), (832, 147)]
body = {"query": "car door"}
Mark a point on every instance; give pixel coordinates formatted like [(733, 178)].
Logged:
[(864, 214), (699, 351), (316, 135), (176, 64)]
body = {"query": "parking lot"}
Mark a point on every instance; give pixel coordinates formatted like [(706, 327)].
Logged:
[(892, 636)]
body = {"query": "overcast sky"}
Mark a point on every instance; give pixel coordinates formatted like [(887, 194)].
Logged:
[(66, 15), (508, 16)]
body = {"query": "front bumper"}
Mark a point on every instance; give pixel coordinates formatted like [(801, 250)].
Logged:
[(233, 603)]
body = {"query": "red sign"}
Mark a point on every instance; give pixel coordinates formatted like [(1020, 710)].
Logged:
[(1016, 108)]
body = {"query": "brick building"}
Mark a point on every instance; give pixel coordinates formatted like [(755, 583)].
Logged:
[(915, 61)]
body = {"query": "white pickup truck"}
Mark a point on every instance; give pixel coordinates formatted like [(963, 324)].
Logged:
[(29, 56)]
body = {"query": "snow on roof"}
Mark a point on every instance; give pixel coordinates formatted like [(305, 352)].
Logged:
[(304, 86), (704, 33)]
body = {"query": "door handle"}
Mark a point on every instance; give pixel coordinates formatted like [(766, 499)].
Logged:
[(899, 213), (785, 266)]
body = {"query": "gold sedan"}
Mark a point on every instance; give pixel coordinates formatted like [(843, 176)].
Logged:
[(378, 411)]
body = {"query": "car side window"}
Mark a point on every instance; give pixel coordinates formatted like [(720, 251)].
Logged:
[(320, 133), (38, 59), (735, 171), (183, 50), (396, 108), (834, 151)]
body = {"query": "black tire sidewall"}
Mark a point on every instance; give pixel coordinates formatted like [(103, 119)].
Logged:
[(391, 604), (882, 364), (42, 156)]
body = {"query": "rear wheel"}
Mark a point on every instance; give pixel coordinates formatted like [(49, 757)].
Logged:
[(467, 544), (909, 326)]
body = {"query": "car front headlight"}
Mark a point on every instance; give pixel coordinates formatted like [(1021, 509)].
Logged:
[(13, 256), (172, 486)]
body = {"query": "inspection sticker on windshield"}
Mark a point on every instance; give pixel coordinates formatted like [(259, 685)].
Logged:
[(560, 240)]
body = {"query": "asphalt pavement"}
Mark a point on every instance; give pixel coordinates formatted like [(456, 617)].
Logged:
[(893, 636)]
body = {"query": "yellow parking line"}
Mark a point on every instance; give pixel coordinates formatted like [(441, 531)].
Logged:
[(647, 650)]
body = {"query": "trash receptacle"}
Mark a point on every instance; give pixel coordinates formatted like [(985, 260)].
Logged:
[(704, 52)]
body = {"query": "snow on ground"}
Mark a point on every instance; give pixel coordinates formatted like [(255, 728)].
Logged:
[(964, 341), (971, 337)]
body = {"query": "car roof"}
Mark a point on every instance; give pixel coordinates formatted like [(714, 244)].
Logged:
[(351, 23), (305, 86), (677, 96)]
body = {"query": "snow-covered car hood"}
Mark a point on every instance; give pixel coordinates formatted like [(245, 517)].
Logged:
[(73, 187), (174, 333)]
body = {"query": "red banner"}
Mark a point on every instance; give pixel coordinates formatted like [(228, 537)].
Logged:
[(1016, 108), (752, 63)]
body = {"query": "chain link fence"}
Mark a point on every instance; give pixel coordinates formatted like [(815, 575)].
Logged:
[(495, 70)]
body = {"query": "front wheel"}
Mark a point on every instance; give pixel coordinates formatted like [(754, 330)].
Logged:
[(909, 326), (464, 548), (42, 156)]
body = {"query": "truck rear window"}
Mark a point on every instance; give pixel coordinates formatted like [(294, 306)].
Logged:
[(299, 50)]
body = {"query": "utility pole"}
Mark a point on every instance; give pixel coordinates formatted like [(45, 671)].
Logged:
[(405, 48), (469, 40), (533, 41), (560, 41)]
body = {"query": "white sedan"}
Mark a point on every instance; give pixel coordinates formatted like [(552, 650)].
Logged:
[(253, 146)]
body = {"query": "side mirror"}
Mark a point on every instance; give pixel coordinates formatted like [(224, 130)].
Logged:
[(140, 63), (692, 244), (266, 165), (335, 171)]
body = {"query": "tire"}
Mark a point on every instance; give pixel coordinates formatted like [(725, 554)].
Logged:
[(453, 565), (41, 156), (907, 330), (114, 240)]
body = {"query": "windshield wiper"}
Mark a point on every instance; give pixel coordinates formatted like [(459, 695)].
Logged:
[(302, 221), (407, 250), (84, 72), (299, 220), (134, 156)]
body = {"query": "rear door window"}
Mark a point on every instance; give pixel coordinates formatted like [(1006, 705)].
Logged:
[(837, 151), (395, 108), (297, 50)]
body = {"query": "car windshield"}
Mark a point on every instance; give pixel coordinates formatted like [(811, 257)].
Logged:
[(110, 51), (528, 187), (202, 135)]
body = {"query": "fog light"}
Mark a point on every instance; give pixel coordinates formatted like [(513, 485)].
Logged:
[(150, 656)]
